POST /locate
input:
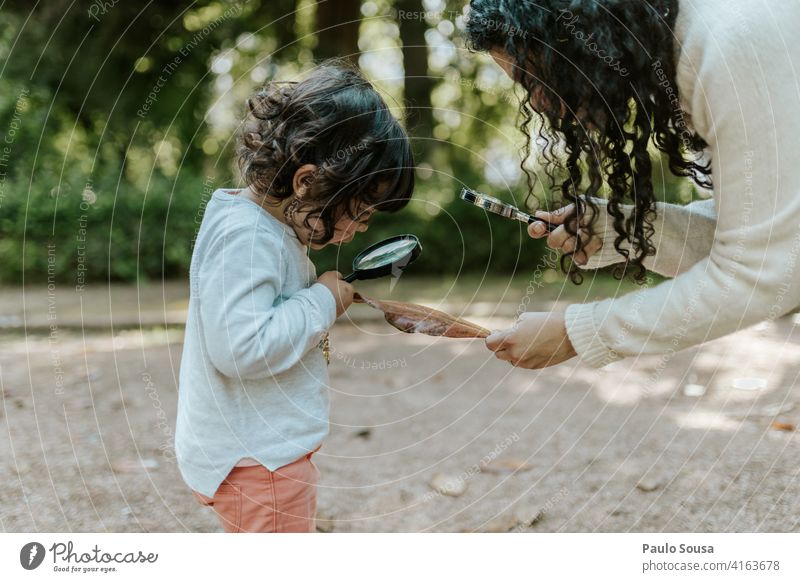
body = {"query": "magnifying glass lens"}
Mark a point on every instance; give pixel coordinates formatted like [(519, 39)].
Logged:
[(386, 254), (387, 257)]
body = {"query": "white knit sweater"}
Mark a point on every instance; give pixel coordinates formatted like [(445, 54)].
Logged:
[(734, 258)]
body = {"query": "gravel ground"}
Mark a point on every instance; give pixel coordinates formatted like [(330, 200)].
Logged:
[(428, 434)]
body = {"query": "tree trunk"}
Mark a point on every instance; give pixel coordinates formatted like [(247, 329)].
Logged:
[(418, 84), (338, 22)]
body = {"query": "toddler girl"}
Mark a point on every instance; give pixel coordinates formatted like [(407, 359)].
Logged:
[(319, 157)]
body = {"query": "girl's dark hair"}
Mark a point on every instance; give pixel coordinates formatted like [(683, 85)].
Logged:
[(602, 76), (337, 121)]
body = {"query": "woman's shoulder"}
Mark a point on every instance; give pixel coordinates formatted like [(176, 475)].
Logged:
[(727, 51), (733, 29)]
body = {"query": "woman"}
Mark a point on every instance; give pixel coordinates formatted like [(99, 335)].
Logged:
[(714, 85)]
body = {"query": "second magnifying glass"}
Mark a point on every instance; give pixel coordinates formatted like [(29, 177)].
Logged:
[(495, 206)]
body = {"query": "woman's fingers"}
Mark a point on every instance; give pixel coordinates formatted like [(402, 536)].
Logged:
[(594, 245), (557, 238), (537, 229), (556, 216), (497, 340)]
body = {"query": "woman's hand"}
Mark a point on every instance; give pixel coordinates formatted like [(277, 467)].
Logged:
[(536, 341), (560, 239)]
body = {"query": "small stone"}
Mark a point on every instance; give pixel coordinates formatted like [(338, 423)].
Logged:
[(364, 433), (694, 390), (452, 485), (648, 484), (507, 465), (528, 514), (750, 383), (502, 524)]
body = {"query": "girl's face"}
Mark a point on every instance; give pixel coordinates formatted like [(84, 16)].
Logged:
[(344, 230)]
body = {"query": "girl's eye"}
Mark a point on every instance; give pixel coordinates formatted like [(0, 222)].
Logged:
[(364, 216)]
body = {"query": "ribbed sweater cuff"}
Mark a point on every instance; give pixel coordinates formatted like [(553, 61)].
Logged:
[(585, 337), (604, 228)]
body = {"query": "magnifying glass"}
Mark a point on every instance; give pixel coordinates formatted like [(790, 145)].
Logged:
[(388, 257), (495, 206)]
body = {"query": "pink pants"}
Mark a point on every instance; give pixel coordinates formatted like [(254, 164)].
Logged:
[(255, 499)]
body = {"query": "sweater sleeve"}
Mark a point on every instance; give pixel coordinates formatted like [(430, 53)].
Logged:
[(682, 237), (747, 113), (246, 334)]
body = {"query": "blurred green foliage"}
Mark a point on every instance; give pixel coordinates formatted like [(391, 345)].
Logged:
[(117, 121)]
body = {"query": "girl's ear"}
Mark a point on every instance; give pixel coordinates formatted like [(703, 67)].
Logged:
[(303, 180)]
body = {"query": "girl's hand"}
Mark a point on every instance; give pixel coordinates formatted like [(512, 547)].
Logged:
[(560, 239), (536, 341), (341, 290)]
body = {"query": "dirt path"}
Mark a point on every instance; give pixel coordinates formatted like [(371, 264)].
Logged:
[(566, 449)]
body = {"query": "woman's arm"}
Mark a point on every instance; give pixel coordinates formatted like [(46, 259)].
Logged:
[(682, 236), (749, 113), (245, 335)]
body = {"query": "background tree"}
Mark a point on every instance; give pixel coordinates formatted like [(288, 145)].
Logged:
[(121, 121), (418, 83), (337, 27)]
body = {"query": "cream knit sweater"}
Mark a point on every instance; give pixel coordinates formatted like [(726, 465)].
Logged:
[(734, 258)]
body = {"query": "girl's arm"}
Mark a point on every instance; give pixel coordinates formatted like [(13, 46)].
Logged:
[(246, 337)]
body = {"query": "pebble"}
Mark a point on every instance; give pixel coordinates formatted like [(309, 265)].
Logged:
[(749, 383), (695, 390), (364, 433), (524, 514), (501, 524), (452, 485), (528, 513), (507, 465), (648, 484)]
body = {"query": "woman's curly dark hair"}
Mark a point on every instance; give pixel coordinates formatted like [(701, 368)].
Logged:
[(601, 74), (337, 121)]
